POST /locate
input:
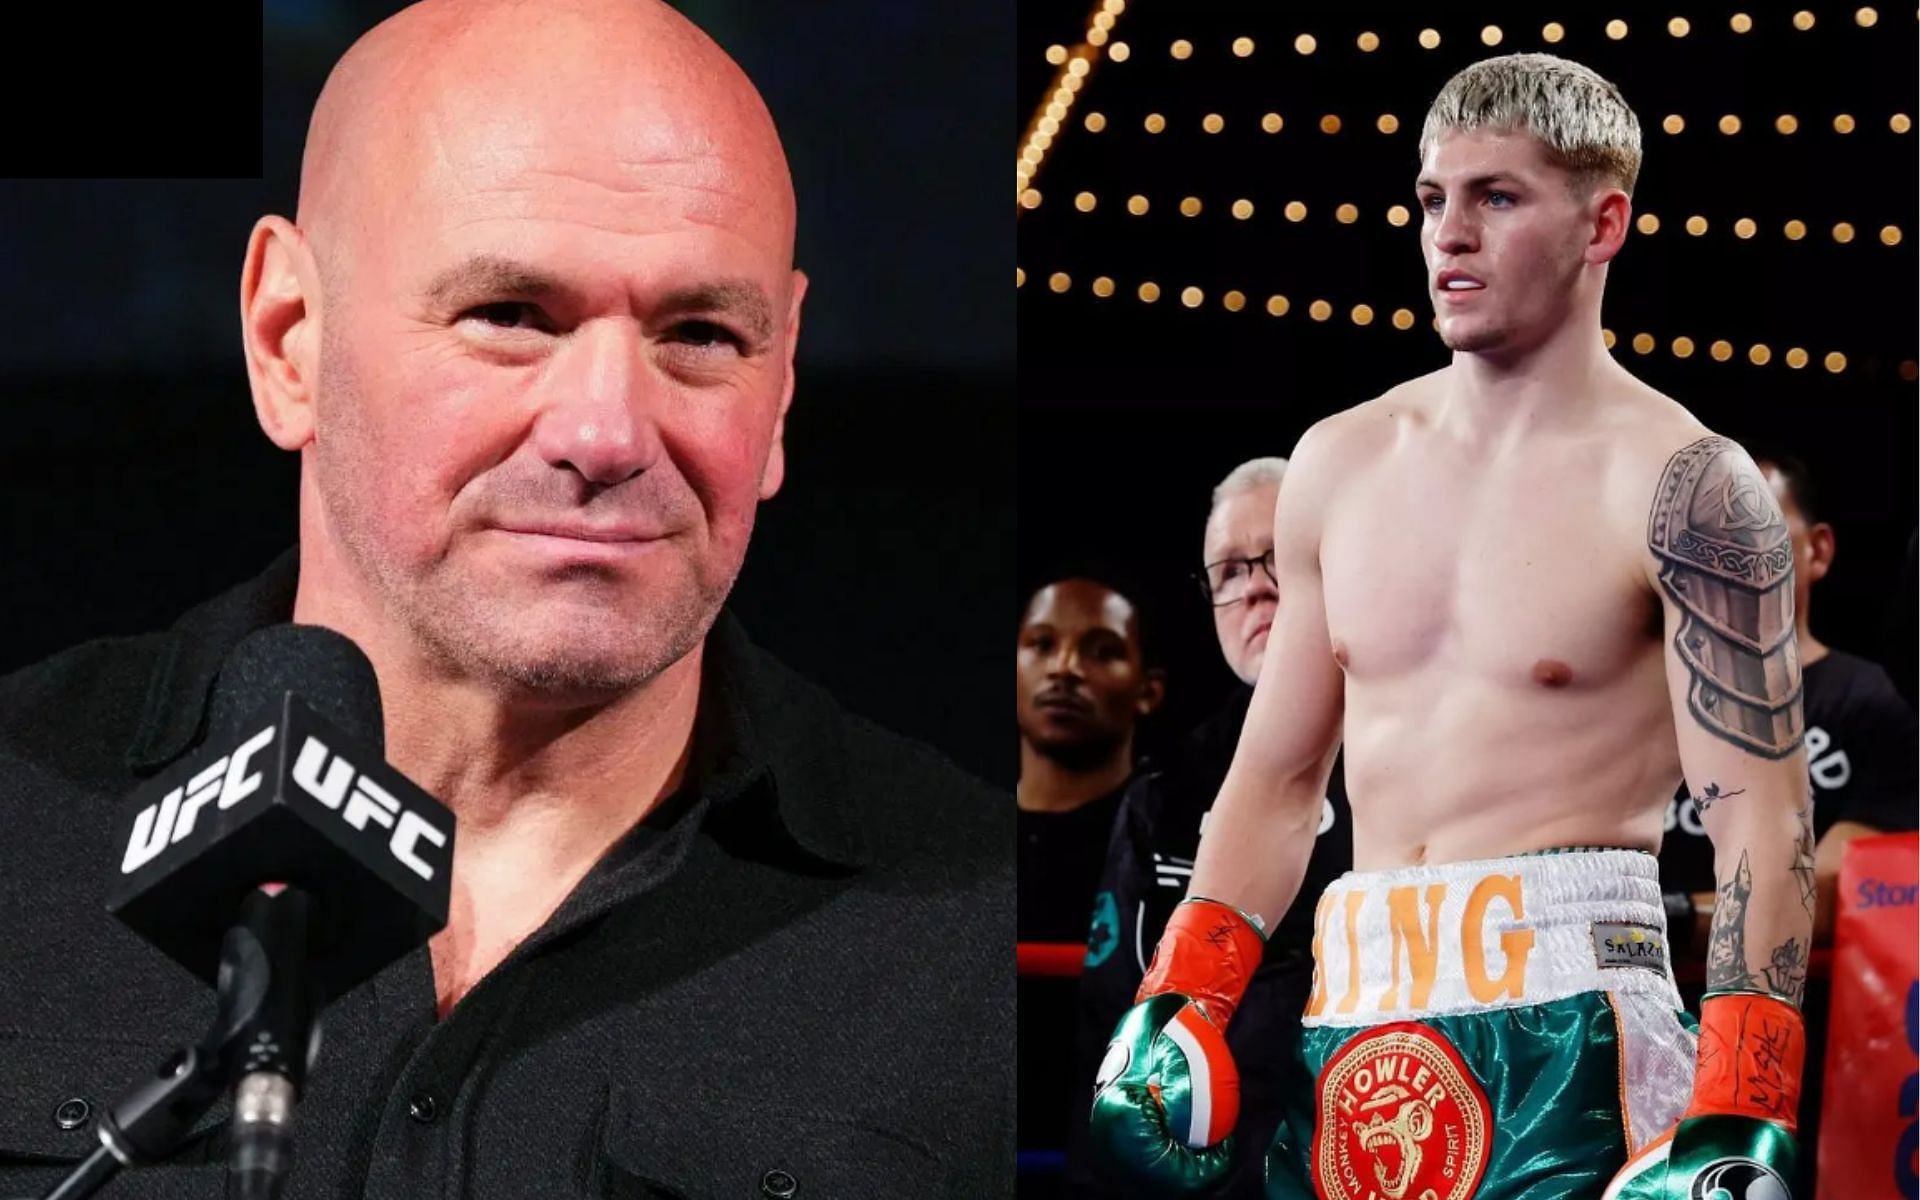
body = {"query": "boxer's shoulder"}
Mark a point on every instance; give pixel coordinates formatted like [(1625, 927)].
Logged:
[(1370, 424), (1336, 446), (1647, 427)]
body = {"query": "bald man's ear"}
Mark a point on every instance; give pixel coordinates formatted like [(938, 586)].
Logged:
[(279, 289), (776, 472)]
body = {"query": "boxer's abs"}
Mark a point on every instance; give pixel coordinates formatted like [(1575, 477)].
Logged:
[(1468, 770)]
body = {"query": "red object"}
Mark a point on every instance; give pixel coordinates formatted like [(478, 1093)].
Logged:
[(1868, 1115), (1752, 1049), (1208, 954), (1400, 1115), (1050, 958)]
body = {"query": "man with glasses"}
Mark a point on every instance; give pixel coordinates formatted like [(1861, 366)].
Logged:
[(1151, 855)]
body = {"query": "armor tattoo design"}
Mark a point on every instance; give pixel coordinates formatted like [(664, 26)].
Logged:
[(1785, 974), (1727, 563)]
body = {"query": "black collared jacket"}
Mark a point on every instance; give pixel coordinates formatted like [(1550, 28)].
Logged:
[(793, 980)]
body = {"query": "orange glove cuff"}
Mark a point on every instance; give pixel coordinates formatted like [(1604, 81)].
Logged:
[(1208, 953), (1752, 1048)]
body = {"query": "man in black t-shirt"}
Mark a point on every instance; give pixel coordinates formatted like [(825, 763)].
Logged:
[(1862, 742), (1084, 685), (1151, 855)]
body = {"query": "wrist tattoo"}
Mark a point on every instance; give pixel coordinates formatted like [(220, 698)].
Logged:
[(1785, 972), (1727, 944)]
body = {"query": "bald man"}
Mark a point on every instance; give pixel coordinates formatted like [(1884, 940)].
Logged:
[(531, 334)]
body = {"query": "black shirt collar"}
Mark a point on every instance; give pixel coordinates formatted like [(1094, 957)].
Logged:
[(767, 745)]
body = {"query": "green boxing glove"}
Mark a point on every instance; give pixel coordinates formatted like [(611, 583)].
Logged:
[(1735, 1141), (1168, 1094)]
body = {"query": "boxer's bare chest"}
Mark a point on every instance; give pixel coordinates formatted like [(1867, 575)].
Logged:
[(1518, 568)]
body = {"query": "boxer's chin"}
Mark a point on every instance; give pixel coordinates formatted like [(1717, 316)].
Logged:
[(1467, 337)]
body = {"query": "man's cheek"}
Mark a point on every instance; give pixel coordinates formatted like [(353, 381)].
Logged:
[(728, 469)]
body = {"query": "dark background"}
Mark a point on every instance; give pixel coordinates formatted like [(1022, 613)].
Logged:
[(1131, 412), (140, 484)]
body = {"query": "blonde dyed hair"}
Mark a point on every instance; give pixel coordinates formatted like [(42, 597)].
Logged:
[(1584, 121)]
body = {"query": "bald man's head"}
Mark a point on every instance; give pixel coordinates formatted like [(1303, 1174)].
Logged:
[(447, 89), (533, 337)]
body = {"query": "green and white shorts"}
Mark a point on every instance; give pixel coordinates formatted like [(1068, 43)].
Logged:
[(1497, 1029)]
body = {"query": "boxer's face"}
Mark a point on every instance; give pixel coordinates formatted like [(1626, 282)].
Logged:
[(552, 379), (1242, 527), (1082, 683), (1502, 219)]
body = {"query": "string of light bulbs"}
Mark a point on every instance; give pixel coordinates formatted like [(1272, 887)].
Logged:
[(1552, 33), (1648, 223), (1673, 124), (1073, 68), (1759, 354)]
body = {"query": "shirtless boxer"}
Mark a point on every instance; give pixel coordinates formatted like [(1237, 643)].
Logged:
[(1528, 592)]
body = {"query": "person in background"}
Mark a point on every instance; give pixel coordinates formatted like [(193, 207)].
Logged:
[(1083, 686), (1150, 856)]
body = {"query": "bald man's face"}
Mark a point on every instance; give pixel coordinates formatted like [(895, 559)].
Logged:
[(556, 350)]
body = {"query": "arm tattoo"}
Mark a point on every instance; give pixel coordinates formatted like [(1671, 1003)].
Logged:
[(1786, 975), (1727, 563), (1727, 946), (1786, 971), (1712, 792), (1802, 866)]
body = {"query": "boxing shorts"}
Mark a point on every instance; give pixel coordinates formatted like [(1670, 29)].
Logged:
[(1497, 1029)]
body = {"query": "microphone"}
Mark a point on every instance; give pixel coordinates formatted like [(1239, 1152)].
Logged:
[(284, 863)]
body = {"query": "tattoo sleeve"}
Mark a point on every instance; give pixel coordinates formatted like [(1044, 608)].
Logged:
[(1727, 563)]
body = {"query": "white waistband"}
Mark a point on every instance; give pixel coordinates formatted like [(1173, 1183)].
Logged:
[(1490, 934)]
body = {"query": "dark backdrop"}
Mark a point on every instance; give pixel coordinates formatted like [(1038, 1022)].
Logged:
[(1130, 411), (139, 483)]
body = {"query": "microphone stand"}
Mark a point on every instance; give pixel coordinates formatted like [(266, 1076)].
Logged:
[(263, 1035)]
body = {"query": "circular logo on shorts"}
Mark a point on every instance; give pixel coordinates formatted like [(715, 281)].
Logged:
[(1400, 1118), (1738, 1179)]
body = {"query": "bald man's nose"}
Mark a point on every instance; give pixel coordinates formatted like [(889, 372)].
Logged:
[(600, 419)]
